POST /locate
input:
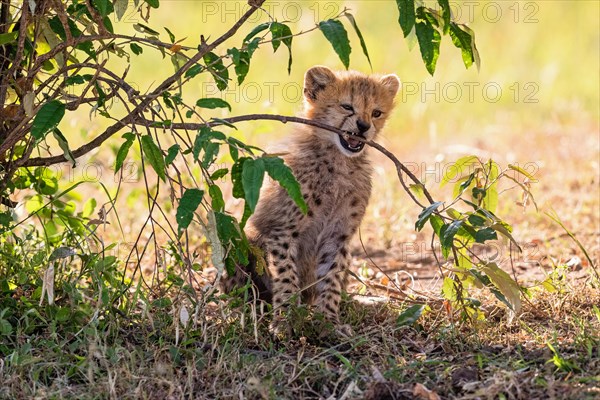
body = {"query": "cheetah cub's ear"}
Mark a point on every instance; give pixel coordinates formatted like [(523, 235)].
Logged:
[(315, 80), (391, 83)]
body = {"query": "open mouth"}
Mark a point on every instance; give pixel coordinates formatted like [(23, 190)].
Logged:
[(350, 143)]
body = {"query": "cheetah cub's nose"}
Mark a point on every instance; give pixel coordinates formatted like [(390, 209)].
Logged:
[(362, 126)]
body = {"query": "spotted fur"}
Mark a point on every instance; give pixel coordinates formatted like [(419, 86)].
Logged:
[(308, 254)]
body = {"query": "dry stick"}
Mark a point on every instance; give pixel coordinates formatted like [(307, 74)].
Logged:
[(250, 117)]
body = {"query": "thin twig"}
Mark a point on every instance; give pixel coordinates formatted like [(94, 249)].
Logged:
[(400, 168)]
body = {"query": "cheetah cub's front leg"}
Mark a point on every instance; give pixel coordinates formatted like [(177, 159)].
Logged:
[(285, 284), (331, 280)]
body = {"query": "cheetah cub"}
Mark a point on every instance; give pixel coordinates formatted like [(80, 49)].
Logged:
[(307, 256)]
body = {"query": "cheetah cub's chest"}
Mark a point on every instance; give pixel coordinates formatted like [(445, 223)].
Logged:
[(307, 255)]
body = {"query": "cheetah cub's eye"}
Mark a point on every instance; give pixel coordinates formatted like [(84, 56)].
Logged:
[(376, 113), (347, 107)]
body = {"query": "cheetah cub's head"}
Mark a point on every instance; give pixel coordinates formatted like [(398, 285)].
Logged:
[(351, 101)]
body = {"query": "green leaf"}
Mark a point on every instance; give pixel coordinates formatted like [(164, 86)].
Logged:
[(429, 38), (215, 65), (485, 234), (62, 252), (203, 139), (62, 314), (236, 178), (64, 146), (78, 79), (447, 233), (88, 207), (449, 289), (241, 62), (246, 215), (188, 204), (6, 38), (522, 172), (121, 8), (154, 156), (218, 174), (436, 224), (46, 182), (104, 7), (123, 150), (463, 261), (407, 15), (363, 45), (454, 213), (231, 235), (418, 190), (47, 118), (213, 103), (410, 315), (476, 220), (5, 219), (234, 152), (5, 327), (152, 3), (227, 227), (216, 196), (458, 168), (252, 179), (224, 122), (171, 35), (193, 71), (282, 33), (425, 214), (490, 201), (562, 363), (137, 49), (171, 154), (162, 302), (446, 14), (505, 284), (336, 34), (257, 29), (463, 38), (506, 231), (280, 172), (108, 23), (211, 150)]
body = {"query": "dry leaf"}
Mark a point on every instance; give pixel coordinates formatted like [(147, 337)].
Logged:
[(48, 285), (97, 222), (175, 48), (184, 316), (421, 392)]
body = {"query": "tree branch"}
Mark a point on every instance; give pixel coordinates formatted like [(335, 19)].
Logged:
[(400, 168)]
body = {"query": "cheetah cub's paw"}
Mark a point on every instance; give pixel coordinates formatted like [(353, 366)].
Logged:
[(344, 330), (280, 329)]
